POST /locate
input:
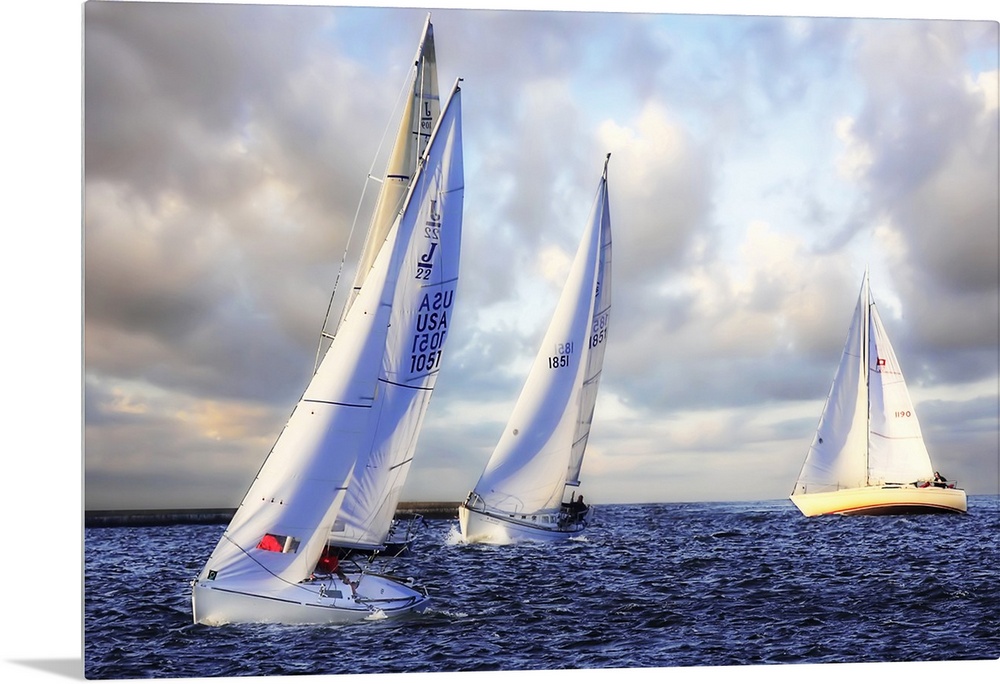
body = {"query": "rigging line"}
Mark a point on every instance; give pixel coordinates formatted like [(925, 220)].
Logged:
[(416, 77), (354, 222)]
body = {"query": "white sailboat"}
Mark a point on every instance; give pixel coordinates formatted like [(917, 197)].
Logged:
[(537, 461), (868, 456), (353, 433)]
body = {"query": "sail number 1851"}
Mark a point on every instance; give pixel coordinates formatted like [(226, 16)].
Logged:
[(561, 357), (598, 331)]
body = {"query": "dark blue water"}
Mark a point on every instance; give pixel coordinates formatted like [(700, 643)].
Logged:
[(660, 585)]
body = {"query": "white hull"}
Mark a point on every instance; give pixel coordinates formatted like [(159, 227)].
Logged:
[(480, 527), (327, 601), (882, 500)]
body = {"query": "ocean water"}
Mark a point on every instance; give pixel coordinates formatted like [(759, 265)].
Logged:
[(657, 585)]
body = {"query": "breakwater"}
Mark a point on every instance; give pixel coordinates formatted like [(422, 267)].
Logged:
[(436, 510)]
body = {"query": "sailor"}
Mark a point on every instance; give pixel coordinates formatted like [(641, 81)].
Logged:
[(939, 480), (577, 507)]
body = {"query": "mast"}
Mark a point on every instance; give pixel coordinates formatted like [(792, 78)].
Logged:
[(866, 353)]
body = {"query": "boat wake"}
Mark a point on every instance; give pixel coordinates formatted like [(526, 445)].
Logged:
[(454, 537), (449, 614)]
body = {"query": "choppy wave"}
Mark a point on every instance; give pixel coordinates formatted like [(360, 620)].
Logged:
[(648, 586)]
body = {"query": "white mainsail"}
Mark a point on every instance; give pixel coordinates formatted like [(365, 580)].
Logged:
[(366, 401), (868, 432), (542, 446), (838, 455)]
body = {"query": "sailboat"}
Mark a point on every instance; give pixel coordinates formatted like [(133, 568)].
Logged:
[(868, 456), (353, 433), (521, 495)]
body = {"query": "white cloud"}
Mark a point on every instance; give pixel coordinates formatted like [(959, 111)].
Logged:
[(856, 159)]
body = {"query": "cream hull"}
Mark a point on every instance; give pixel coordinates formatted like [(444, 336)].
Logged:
[(882, 500), (328, 601), (481, 527)]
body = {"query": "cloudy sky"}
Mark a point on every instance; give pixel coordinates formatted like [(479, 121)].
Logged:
[(759, 164)]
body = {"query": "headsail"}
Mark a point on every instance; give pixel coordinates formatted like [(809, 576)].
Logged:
[(542, 446), (897, 452), (418, 328), (595, 343)]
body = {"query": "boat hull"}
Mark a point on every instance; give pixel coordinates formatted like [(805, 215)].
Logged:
[(481, 527), (882, 500), (326, 601)]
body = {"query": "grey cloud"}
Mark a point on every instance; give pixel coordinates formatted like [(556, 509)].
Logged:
[(225, 148), (934, 148)]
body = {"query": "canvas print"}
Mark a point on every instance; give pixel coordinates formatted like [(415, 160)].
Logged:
[(439, 340)]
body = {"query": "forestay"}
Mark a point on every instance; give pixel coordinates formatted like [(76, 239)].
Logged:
[(838, 455), (415, 342)]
